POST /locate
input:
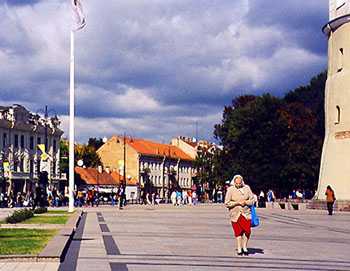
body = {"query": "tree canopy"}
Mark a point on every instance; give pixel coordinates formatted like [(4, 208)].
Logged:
[(274, 142)]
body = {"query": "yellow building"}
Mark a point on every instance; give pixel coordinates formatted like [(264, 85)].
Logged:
[(153, 166)]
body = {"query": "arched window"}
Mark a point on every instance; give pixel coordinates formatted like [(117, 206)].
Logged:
[(337, 115)]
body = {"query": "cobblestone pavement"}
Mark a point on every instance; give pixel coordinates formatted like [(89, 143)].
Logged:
[(200, 237)]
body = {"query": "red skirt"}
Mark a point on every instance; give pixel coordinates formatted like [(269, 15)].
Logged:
[(241, 226)]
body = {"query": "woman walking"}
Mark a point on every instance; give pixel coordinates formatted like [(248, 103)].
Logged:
[(330, 198), (238, 200)]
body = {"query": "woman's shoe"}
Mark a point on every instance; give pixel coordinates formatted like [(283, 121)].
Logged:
[(239, 253), (245, 252)]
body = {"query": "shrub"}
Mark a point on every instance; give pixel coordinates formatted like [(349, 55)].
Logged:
[(19, 215), (40, 210)]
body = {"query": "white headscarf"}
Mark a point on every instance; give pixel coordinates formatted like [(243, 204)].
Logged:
[(233, 183)]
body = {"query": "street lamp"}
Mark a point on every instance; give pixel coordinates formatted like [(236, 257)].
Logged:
[(46, 116), (124, 166)]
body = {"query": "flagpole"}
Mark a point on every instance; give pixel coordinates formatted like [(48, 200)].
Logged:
[(71, 125)]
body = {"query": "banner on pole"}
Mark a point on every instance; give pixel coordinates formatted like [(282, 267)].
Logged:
[(121, 167), (6, 167)]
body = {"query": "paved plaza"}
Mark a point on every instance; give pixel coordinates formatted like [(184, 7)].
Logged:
[(200, 237)]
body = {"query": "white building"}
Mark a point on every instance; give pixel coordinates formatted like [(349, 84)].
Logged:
[(20, 133), (335, 169)]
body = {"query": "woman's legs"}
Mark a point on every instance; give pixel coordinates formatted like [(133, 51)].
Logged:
[(239, 244), (245, 242)]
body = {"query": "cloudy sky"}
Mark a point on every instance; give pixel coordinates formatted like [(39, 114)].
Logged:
[(156, 69)]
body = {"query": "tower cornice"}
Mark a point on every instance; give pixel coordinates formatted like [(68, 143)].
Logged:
[(335, 24)]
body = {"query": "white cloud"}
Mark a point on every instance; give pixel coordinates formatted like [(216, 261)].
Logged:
[(156, 68)]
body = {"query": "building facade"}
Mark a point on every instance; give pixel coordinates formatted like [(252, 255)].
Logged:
[(335, 170), (155, 167), (20, 133)]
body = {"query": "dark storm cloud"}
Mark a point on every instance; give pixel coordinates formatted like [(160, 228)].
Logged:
[(21, 2), (303, 20), (156, 68)]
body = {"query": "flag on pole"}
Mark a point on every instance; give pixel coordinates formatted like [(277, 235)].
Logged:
[(41, 147), (79, 20), (121, 167)]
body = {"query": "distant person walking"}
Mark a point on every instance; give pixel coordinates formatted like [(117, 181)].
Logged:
[(39, 196), (270, 196), (330, 198), (238, 200)]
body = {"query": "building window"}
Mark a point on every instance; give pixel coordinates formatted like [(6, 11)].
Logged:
[(39, 140), (340, 3), (54, 146), (16, 141), (31, 143), (340, 59), (22, 141), (31, 165), (4, 140), (54, 167), (15, 165), (337, 115), (21, 165)]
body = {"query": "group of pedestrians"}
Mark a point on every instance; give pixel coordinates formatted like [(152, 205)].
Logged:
[(185, 197), (89, 198), (32, 198)]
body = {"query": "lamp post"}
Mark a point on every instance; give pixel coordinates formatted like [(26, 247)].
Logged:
[(124, 157), (46, 116)]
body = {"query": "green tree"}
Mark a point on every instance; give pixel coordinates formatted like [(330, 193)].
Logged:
[(251, 138), (64, 161), (301, 145), (273, 142)]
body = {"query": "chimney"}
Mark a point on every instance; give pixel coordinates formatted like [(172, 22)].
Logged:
[(99, 169), (107, 170)]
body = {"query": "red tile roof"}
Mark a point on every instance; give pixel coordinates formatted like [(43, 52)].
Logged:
[(158, 149), (90, 175)]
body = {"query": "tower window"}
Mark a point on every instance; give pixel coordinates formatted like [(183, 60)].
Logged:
[(340, 3), (340, 59), (337, 116)]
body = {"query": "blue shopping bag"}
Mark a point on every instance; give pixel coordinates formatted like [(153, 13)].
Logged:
[(255, 220)]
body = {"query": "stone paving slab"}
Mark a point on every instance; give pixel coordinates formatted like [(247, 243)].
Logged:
[(201, 238)]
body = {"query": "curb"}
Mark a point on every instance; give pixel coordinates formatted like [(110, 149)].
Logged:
[(56, 249)]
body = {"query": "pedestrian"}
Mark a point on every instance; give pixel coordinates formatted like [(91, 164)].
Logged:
[(173, 198), (239, 198), (88, 198), (80, 197), (143, 197), (184, 197), (189, 196), (122, 197), (194, 197), (330, 198), (55, 196), (38, 197), (270, 196), (179, 198), (261, 199)]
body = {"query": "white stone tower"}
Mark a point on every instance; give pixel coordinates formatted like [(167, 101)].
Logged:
[(335, 162)]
